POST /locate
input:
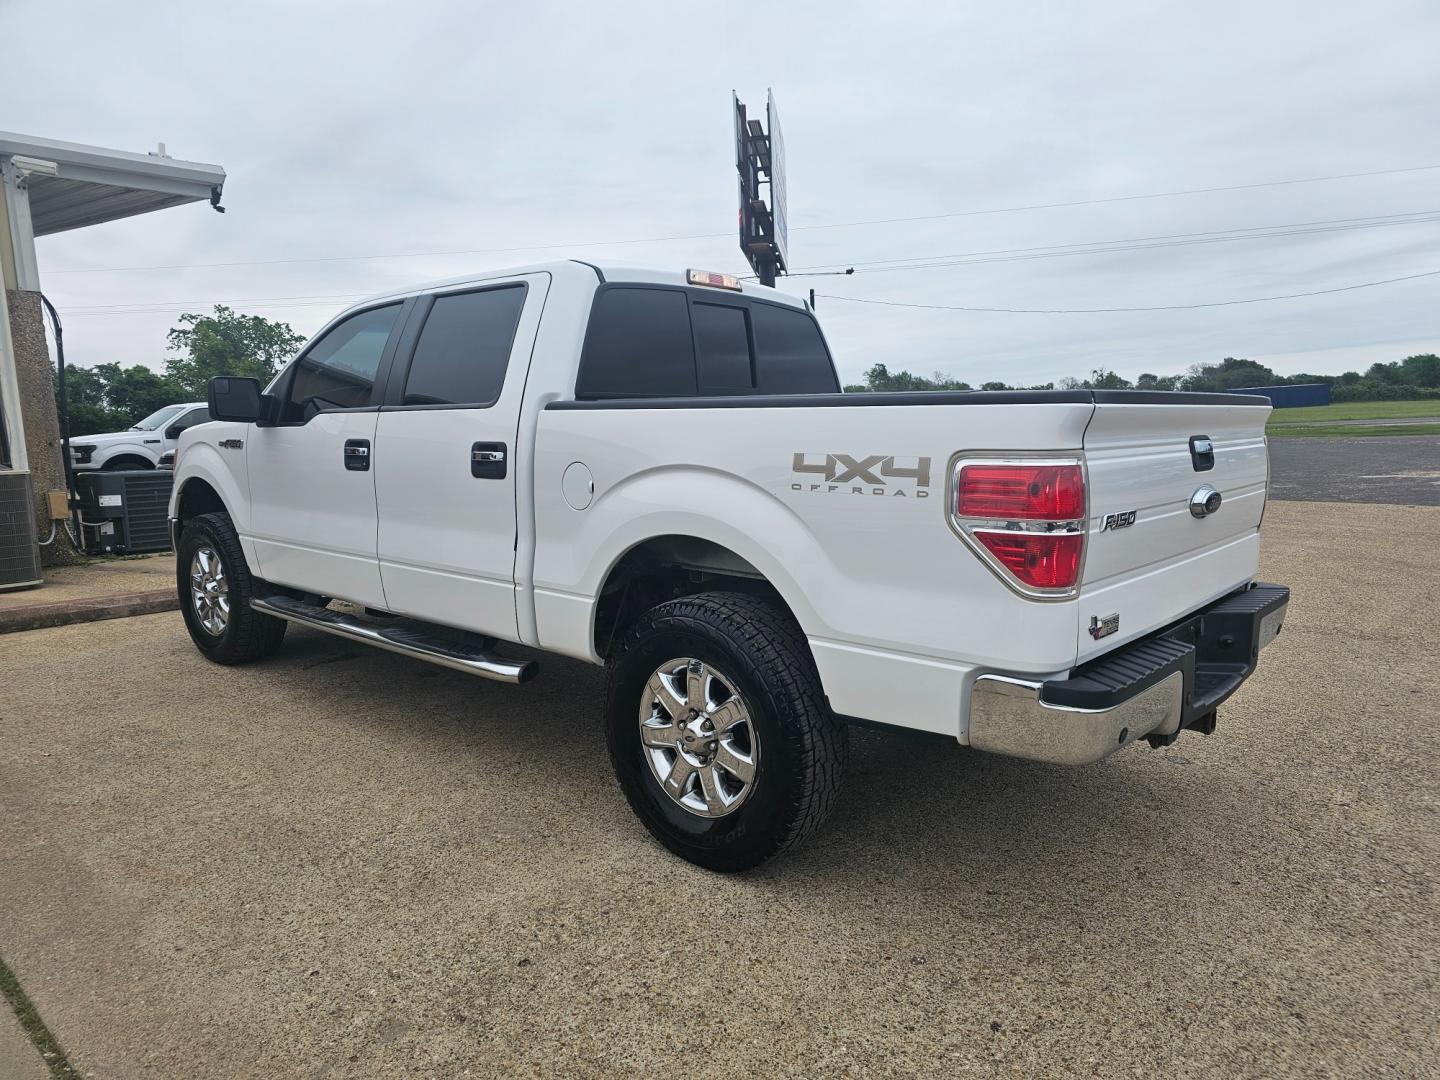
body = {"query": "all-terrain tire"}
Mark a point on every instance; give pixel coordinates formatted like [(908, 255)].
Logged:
[(247, 634), (803, 750)]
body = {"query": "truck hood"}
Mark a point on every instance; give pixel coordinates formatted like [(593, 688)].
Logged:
[(112, 438)]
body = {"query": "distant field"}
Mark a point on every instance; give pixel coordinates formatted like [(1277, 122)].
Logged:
[(1347, 431), (1356, 410)]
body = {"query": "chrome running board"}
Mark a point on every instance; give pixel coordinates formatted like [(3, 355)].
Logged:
[(404, 637)]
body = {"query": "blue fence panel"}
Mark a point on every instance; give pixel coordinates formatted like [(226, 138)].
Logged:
[(1291, 397)]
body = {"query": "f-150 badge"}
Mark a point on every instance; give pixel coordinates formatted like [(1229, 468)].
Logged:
[(1122, 520), (864, 475)]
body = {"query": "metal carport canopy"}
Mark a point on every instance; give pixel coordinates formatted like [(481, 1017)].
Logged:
[(92, 185)]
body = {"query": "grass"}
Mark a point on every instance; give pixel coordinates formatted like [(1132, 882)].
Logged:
[(40, 1036), (1348, 431), (1355, 410)]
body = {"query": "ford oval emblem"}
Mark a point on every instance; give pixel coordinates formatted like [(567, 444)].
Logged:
[(1205, 501)]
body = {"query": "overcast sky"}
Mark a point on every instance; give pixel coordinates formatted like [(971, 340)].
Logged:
[(362, 129)]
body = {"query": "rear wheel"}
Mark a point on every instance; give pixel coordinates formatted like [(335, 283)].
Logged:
[(215, 588), (719, 732)]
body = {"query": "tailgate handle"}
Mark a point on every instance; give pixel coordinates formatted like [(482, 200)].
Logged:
[(1202, 453)]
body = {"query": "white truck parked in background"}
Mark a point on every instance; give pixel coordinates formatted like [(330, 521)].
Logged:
[(655, 471), (142, 446)]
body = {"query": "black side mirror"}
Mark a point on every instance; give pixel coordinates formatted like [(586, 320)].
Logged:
[(235, 399), (173, 431)]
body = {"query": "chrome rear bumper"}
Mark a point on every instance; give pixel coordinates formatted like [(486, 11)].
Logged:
[(1008, 717), (1153, 687)]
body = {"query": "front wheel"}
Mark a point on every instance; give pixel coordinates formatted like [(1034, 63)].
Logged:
[(719, 732), (215, 589)]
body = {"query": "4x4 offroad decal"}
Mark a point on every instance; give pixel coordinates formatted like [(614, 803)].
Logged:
[(864, 475)]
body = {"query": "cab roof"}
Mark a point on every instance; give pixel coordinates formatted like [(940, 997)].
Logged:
[(606, 271)]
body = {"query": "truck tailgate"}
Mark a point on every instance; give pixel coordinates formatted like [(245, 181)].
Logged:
[(1148, 559)]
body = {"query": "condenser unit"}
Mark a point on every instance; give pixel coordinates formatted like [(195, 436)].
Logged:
[(124, 512), (19, 557)]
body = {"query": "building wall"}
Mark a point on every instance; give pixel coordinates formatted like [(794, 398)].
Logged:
[(41, 418)]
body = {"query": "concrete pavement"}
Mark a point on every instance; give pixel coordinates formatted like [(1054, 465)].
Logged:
[(343, 863)]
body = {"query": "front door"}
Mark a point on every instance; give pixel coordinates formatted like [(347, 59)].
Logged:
[(446, 455), (312, 484)]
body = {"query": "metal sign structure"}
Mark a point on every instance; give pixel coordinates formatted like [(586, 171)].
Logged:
[(760, 161)]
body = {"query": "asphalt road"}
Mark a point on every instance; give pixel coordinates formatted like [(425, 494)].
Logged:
[(1378, 469), (345, 863)]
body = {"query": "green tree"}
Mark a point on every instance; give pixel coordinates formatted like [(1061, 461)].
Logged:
[(226, 343), (1105, 379), (136, 392)]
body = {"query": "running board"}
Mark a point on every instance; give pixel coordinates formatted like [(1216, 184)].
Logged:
[(406, 638)]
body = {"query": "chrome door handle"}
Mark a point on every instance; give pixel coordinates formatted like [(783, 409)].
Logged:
[(487, 460)]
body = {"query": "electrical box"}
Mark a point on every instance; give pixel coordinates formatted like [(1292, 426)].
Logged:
[(59, 505)]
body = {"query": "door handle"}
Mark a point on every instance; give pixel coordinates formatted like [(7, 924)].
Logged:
[(487, 460), (357, 455)]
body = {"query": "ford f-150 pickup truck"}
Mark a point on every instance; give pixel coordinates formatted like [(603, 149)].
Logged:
[(656, 471)]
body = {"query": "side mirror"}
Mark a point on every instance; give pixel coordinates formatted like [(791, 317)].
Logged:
[(235, 399), (173, 431)]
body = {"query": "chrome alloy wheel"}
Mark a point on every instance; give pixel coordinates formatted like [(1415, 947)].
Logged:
[(698, 738), (209, 591)]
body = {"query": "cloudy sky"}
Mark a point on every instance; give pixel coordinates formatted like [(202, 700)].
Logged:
[(372, 145)]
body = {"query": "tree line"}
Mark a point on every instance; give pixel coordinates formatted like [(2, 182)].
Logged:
[(1401, 380), (108, 397)]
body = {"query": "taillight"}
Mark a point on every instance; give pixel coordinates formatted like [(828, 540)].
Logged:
[(1027, 519)]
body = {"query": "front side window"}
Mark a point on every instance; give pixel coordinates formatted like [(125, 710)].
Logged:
[(464, 348), (193, 417), (638, 345), (338, 371)]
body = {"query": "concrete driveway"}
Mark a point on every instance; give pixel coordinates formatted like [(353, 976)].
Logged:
[(344, 863)]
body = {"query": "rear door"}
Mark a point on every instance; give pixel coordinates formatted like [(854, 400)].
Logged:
[(1148, 558), (445, 456)]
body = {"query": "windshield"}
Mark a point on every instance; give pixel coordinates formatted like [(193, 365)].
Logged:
[(157, 418)]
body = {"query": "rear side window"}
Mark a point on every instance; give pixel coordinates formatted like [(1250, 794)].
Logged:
[(638, 345), (338, 371), (722, 343), (790, 354), (464, 348)]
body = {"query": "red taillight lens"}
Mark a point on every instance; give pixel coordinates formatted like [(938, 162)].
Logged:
[(1020, 492), (1040, 560)]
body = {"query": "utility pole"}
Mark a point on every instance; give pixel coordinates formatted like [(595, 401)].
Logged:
[(760, 161)]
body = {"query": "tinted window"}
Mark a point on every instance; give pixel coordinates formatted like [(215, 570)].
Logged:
[(338, 371), (193, 417), (638, 345), (722, 343), (464, 348), (789, 352)]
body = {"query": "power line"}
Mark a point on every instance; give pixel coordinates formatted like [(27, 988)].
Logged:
[(1101, 246), (796, 228), (1094, 247), (1116, 310)]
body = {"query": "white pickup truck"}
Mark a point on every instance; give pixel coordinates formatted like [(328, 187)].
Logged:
[(656, 471)]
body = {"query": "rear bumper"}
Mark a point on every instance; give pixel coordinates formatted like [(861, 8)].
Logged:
[(1152, 688)]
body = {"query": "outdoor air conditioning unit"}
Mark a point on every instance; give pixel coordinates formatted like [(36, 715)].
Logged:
[(19, 557), (125, 512)]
